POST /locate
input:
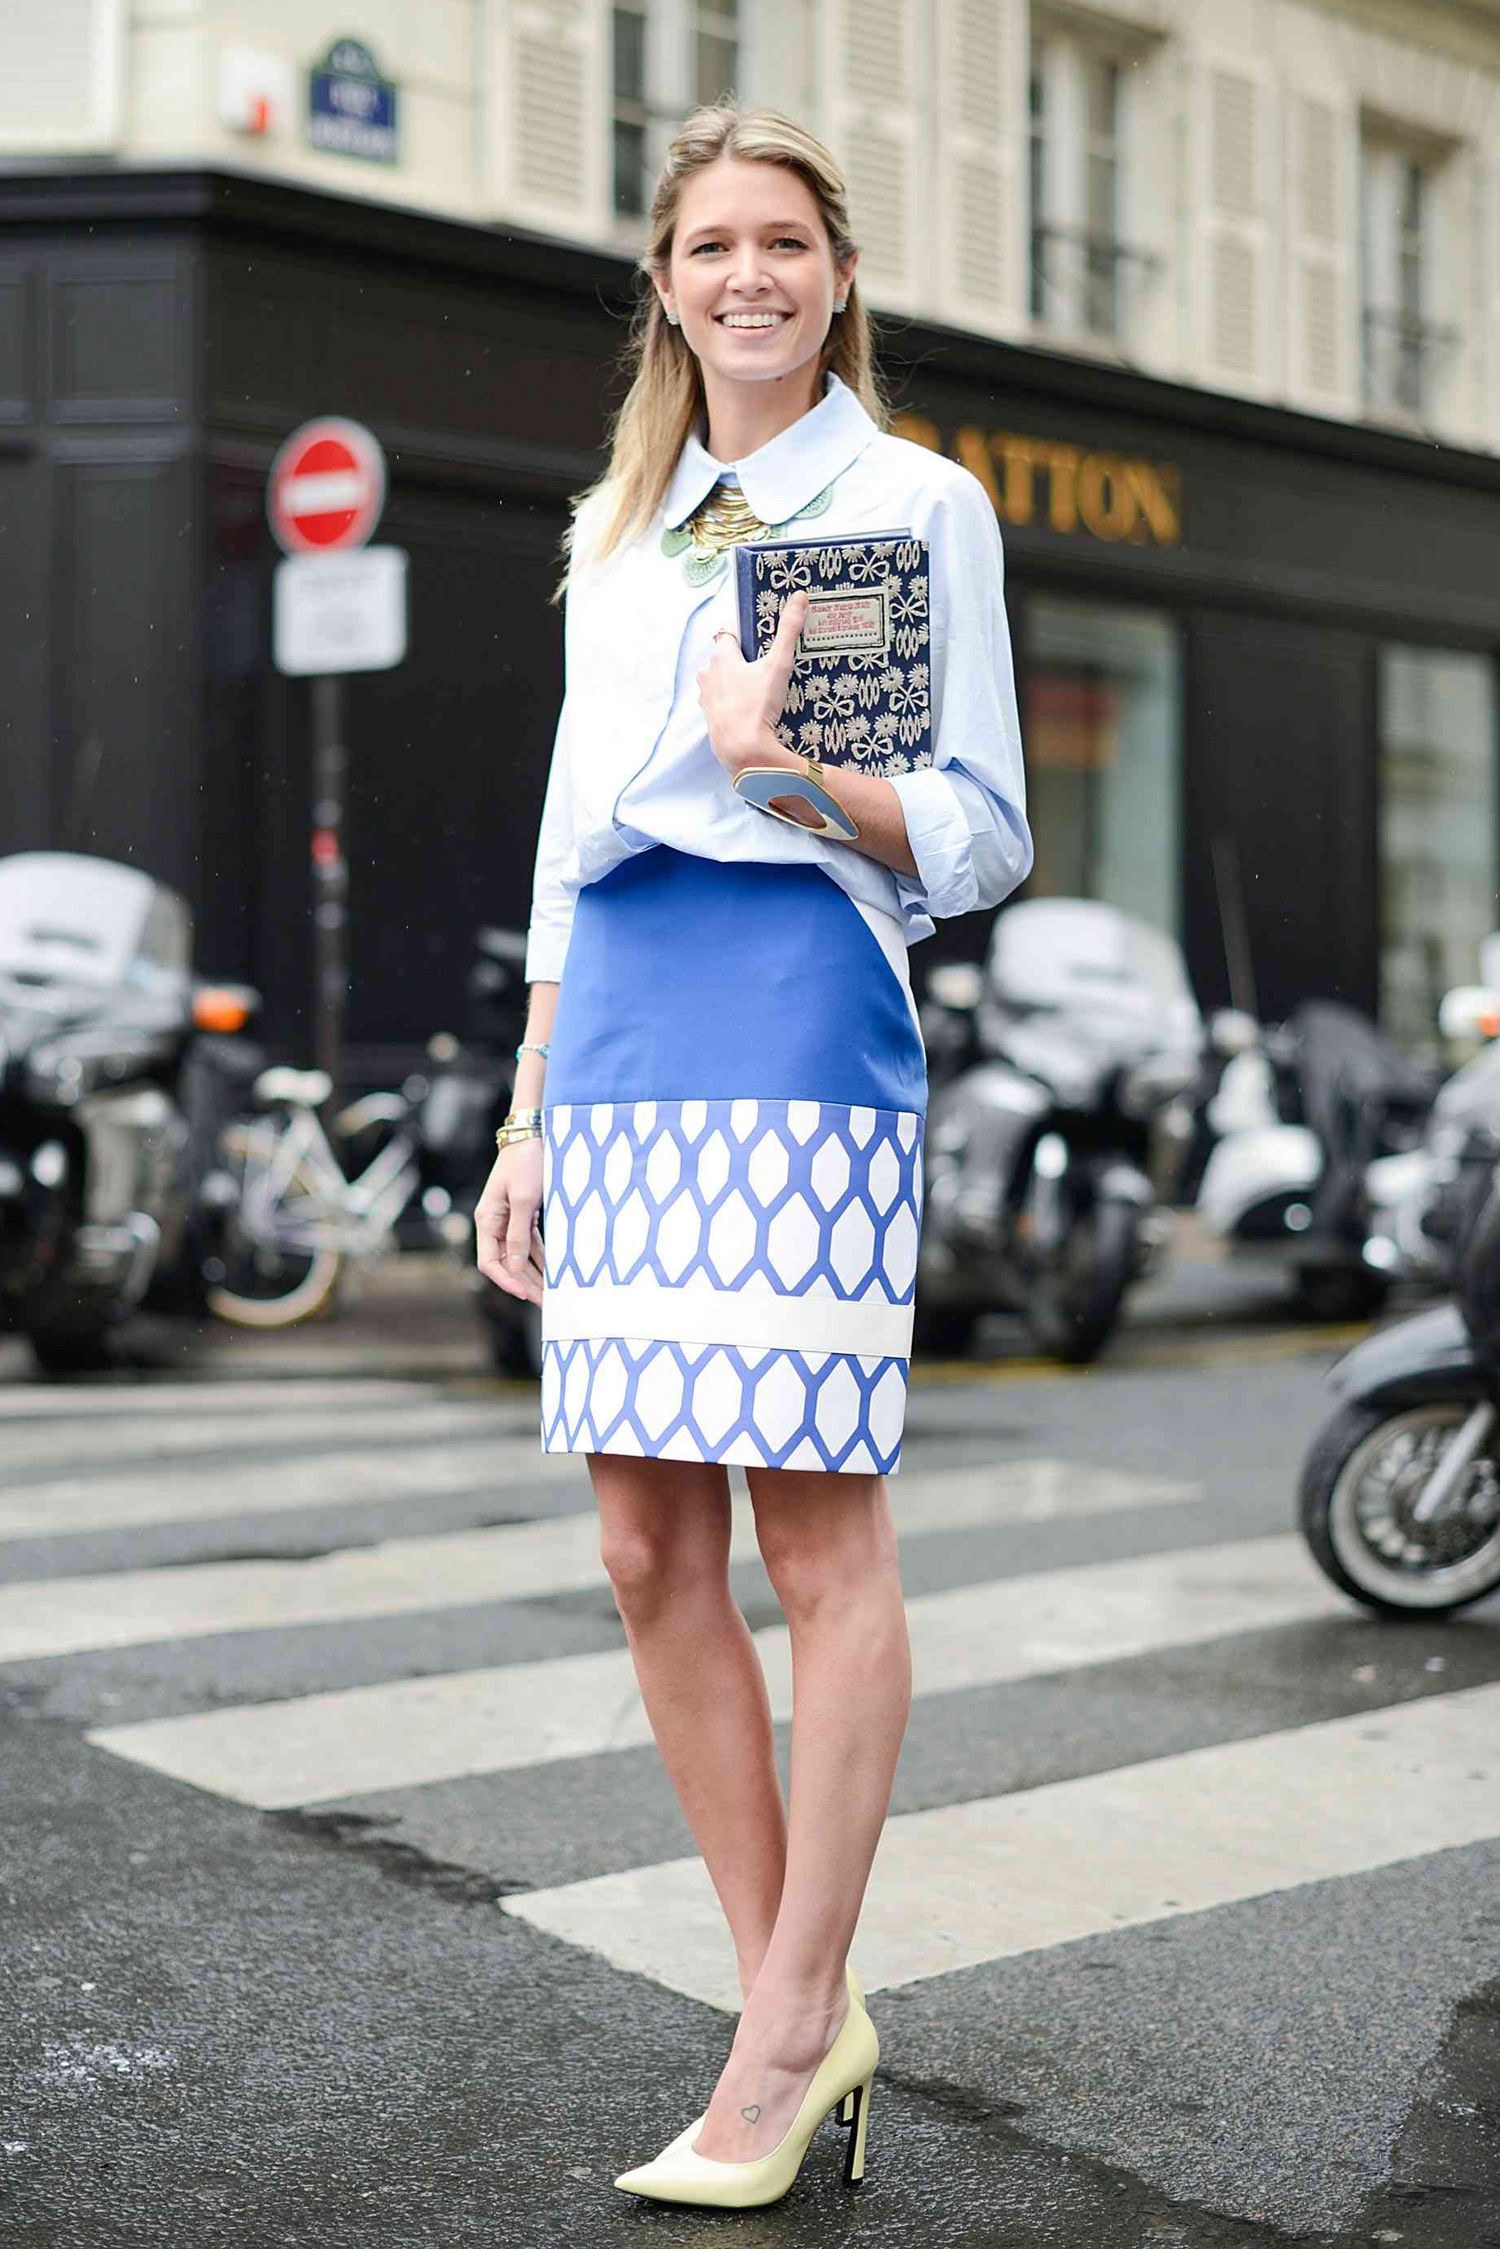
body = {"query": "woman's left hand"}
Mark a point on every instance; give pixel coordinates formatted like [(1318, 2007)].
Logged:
[(741, 701)]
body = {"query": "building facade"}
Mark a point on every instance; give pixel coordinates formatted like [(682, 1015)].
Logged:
[(1204, 291)]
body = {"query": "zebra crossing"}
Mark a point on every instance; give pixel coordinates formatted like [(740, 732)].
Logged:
[(1160, 1585), (259, 1449)]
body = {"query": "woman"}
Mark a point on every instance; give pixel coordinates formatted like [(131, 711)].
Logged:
[(719, 1103)]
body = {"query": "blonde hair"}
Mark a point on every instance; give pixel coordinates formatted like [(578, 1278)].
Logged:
[(665, 397)]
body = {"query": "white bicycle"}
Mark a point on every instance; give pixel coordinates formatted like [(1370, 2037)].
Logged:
[(295, 1215)]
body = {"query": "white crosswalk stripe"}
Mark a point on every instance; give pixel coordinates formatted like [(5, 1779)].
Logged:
[(35, 1452), (416, 1731), (183, 1492), (149, 1401)]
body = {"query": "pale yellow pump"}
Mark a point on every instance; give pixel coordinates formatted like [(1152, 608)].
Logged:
[(843, 2081)]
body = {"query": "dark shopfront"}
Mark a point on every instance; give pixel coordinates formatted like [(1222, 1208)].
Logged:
[(1256, 649)]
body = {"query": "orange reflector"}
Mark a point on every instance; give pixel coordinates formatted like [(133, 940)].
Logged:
[(217, 1010)]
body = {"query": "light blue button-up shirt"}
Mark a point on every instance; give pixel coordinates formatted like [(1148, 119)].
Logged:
[(632, 764)]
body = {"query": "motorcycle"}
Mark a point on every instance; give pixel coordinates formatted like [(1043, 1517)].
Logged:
[(1056, 1083), (1400, 1492), (118, 1072), (1299, 1118)]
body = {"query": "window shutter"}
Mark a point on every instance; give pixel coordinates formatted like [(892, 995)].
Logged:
[(980, 133), (548, 129), (61, 69), (1233, 113), (871, 68), (1322, 317)]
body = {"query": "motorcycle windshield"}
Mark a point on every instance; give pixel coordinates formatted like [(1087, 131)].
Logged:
[(1098, 965), (72, 921)]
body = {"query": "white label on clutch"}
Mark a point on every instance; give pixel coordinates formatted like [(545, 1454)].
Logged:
[(840, 623)]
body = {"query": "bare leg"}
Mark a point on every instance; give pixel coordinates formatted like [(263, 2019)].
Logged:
[(829, 1546), (664, 1540)]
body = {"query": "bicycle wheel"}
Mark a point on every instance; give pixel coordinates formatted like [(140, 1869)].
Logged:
[(267, 1269)]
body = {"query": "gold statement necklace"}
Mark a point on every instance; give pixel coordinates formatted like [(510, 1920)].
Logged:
[(726, 519)]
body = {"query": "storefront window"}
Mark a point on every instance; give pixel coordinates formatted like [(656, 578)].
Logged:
[(1101, 722), (1437, 832)]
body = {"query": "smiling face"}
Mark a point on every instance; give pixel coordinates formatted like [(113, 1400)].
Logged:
[(752, 275)]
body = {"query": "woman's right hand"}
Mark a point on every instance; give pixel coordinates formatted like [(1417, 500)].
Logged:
[(507, 1222)]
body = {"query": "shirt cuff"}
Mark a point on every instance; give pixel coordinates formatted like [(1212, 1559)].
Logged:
[(938, 833), (546, 950)]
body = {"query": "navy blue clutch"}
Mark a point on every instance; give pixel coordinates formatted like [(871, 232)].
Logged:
[(860, 691)]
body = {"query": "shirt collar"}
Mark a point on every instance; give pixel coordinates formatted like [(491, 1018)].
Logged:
[(782, 475)]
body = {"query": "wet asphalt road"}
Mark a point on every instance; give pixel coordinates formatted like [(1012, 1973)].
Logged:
[(331, 2023)]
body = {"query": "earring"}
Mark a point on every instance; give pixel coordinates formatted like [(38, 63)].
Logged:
[(672, 317), (839, 303)]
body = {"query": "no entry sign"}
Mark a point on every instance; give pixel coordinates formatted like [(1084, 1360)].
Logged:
[(327, 488)]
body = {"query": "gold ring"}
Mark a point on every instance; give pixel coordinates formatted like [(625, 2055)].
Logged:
[(725, 634)]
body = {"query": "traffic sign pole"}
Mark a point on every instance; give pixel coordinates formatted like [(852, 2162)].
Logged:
[(336, 609), (330, 881)]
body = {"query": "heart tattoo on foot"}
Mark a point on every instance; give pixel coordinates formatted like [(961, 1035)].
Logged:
[(751, 2113)]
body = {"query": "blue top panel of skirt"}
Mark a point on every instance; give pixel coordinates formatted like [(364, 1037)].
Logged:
[(705, 979)]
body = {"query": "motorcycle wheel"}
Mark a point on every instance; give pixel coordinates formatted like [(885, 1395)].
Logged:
[(263, 1285), (1074, 1300), (1361, 1477), (1338, 1293)]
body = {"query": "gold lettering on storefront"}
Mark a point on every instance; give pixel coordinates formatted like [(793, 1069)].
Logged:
[(1111, 496)]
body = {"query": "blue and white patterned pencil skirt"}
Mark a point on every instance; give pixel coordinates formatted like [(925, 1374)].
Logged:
[(732, 1172)]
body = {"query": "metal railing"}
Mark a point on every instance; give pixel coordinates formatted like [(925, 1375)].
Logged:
[(1078, 277), (1401, 354)]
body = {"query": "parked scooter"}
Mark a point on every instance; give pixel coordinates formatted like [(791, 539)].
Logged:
[(1299, 1119), (1050, 1074), (1400, 1498), (1422, 1204), (117, 1072), (1228, 1033)]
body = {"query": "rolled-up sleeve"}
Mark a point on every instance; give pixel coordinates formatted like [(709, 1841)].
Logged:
[(552, 902), (553, 898), (966, 812)]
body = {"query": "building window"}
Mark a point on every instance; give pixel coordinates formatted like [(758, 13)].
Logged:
[(631, 116), (1438, 822), (716, 51), (1101, 725), (1079, 261), (667, 57), (1404, 346)]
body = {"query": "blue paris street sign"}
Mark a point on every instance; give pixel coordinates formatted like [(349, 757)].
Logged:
[(351, 109)]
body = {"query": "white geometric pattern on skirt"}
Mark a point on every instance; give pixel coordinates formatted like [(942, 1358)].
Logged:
[(730, 1280)]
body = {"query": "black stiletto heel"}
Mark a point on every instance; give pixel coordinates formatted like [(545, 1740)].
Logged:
[(854, 2153)]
